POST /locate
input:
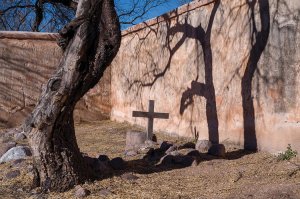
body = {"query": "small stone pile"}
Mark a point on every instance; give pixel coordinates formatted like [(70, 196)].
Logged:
[(166, 153), (105, 166)]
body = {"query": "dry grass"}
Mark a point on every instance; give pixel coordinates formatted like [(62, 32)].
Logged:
[(240, 175)]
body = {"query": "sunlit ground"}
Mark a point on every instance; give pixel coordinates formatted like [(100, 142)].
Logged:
[(258, 175)]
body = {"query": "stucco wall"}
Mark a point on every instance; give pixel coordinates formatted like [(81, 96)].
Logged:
[(203, 56), (27, 60), (168, 59)]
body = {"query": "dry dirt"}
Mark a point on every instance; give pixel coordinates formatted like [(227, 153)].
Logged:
[(239, 175)]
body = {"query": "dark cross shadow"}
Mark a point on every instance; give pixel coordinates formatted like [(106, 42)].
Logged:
[(259, 40)]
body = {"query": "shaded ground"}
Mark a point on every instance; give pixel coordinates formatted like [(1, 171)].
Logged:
[(239, 175)]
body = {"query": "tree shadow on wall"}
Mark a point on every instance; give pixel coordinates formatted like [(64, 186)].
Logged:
[(22, 74), (207, 89), (154, 72), (259, 40)]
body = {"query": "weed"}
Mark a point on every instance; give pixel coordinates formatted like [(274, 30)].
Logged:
[(196, 135), (288, 154)]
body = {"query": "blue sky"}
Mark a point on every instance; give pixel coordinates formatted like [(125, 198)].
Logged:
[(56, 17), (164, 9), (157, 11)]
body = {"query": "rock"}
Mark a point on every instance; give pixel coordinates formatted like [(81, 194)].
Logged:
[(195, 163), (165, 145), (18, 163), (15, 153), (183, 160), (144, 150), (20, 189), (13, 174), (105, 192), (175, 157), (203, 146), (117, 163), (103, 158), (174, 153), (4, 147), (151, 151), (185, 151), (171, 149), (154, 154), (81, 192), (129, 176), (166, 160), (98, 165), (19, 137), (130, 153), (150, 155), (135, 139), (194, 153), (189, 145), (217, 150)]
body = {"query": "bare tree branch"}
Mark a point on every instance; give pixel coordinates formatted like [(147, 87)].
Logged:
[(52, 15)]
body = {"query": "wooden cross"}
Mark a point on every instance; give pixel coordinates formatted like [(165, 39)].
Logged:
[(150, 115)]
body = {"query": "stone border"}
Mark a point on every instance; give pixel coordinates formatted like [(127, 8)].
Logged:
[(170, 15), (22, 35)]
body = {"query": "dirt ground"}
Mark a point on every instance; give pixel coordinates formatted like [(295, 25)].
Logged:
[(238, 175)]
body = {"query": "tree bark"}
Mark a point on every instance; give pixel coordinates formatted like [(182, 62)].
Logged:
[(94, 39)]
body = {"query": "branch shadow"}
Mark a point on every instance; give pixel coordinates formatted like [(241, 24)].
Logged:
[(206, 89), (22, 74), (154, 73)]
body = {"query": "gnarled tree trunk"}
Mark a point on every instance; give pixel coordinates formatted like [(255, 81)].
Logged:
[(94, 40)]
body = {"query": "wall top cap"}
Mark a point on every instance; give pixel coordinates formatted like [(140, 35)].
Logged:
[(21, 35)]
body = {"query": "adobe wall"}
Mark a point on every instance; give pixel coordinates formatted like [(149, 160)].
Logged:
[(27, 60), (202, 56), (168, 60)]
